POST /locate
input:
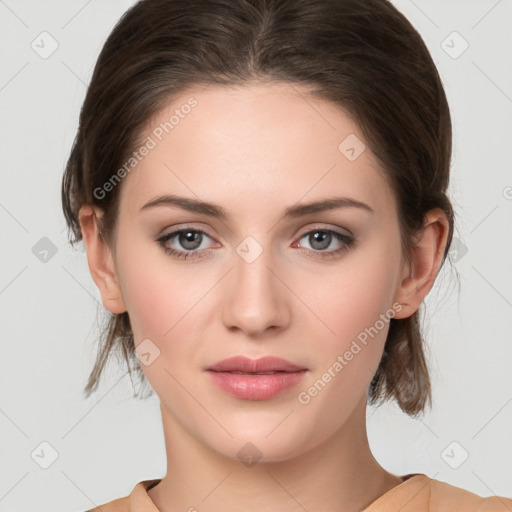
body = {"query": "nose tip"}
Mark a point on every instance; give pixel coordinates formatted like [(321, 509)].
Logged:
[(254, 300)]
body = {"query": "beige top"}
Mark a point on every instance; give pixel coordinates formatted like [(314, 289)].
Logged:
[(416, 493)]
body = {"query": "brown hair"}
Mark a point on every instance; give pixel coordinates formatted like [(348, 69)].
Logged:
[(364, 56)]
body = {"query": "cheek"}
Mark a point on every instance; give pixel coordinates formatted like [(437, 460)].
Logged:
[(157, 295), (356, 306), (168, 303), (158, 302), (354, 301), (149, 298)]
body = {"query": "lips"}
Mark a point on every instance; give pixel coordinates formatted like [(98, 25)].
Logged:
[(267, 365), (255, 379)]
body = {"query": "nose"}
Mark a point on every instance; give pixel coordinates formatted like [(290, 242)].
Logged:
[(256, 299)]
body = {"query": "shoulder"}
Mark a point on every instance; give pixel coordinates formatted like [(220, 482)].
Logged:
[(420, 493), (118, 505), (138, 500), (444, 495)]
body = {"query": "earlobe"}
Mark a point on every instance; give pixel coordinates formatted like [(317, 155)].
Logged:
[(426, 258), (100, 260)]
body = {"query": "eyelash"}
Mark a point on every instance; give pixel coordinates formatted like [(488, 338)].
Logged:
[(347, 240)]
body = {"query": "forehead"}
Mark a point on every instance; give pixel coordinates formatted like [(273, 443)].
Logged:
[(257, 144)]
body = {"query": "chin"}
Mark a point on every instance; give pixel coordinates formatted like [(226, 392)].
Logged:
[(255, 448)]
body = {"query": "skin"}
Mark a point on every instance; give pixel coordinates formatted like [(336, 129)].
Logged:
[(256, 150)]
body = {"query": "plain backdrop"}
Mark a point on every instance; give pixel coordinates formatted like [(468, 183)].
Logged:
[(96, 450)]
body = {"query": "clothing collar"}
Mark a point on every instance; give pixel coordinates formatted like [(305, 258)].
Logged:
[(415, 487)]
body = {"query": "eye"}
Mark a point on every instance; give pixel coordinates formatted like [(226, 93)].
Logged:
[(192, 243), (191, 240), (321, 239)]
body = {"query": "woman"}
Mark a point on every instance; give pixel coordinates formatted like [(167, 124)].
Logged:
[(261, 188)]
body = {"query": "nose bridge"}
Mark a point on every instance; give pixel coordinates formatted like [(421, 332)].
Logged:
[(252, 265), (255, 299)]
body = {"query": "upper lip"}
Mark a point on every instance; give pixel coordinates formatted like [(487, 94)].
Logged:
[(247, 365)]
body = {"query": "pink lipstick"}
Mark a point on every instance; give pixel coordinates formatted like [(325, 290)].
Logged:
[(255, 379)]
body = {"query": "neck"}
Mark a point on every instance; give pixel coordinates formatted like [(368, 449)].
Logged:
[(339, 474)]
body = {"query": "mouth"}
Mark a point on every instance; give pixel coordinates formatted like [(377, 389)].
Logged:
[(255, 379), (262, 366), (250, 373)]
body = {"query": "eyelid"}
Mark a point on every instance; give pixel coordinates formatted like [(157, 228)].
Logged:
[(178, 227), (175, 231), (347, 241), (327, 227), (299, 233)]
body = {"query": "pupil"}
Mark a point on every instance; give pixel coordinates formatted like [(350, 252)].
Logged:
[(320, 240), (188, 240)]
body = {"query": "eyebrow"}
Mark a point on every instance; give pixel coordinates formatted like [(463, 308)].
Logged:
[(217, 211)]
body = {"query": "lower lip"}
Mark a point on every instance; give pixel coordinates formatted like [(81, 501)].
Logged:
[(256, 387)]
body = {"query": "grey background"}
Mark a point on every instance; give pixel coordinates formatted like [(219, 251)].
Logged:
[(48, 308)]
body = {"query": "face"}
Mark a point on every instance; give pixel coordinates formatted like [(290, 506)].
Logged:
[(316, 287)]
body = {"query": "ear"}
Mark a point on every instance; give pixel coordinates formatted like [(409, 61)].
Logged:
[(100, 260), (419, 274)]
